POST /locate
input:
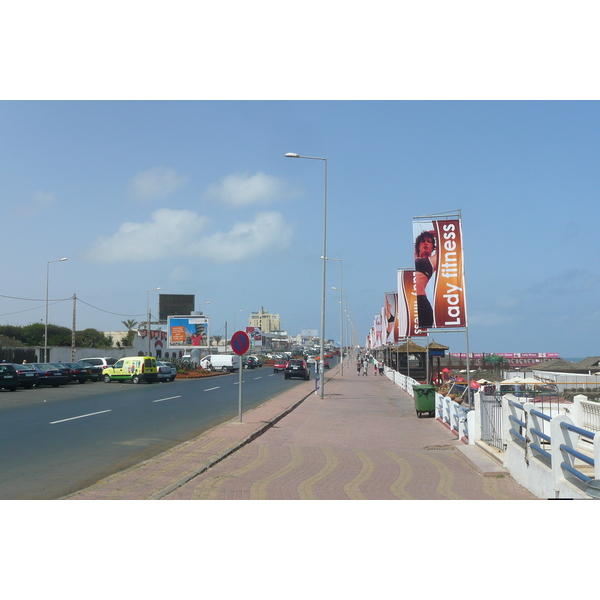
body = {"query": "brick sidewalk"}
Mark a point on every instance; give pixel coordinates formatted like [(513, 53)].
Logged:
[(362, 441)]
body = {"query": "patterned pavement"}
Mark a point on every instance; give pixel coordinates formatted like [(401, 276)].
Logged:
[(363, 441)]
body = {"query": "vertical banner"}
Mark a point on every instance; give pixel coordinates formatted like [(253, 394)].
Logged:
[(378, 330), (439, 273), (408, 322), (389, 317)]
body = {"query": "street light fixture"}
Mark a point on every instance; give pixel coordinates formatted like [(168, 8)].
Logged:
[(148, 313), (47, 287), (322, 353)]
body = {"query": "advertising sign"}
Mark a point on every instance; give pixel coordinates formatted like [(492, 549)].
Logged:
[(255, 335), (391, 324), (439, 273), (407, 317), (188, 332)]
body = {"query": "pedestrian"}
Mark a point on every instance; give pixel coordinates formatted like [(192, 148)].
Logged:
[(366, 366), (374, 368), (381, 368), (358, 365)]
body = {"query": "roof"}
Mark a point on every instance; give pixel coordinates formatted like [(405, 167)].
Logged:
[(412, 347), (556, 365), (588, 363), (433, 345)]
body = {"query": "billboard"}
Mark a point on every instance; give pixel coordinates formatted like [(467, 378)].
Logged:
[(255, 335), (439, 273), (175, 304), (188, 332)]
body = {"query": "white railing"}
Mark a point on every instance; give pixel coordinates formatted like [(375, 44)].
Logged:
[(552, 456)]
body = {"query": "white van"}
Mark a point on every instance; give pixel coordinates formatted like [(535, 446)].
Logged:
[(222, 362)]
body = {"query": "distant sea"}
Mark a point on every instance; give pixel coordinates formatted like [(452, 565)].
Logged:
[(575, 360)]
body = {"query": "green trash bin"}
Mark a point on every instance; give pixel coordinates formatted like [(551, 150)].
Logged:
[(424, 399)]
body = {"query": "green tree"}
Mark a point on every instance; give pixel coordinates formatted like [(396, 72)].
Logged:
[(130, 324)]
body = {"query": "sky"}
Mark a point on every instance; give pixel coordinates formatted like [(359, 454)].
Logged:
[(158, 169), (197, 197)]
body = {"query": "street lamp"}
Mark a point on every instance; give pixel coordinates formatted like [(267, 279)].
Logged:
[(341, 327), (322, 356), (148, 313), (47, 287)]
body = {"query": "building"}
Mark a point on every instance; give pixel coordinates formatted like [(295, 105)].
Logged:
[(265, 321)]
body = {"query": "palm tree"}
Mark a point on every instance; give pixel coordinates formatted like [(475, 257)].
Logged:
[(130, 324), (217, 338)]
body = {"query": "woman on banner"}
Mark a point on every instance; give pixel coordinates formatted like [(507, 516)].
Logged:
[(425, 266)]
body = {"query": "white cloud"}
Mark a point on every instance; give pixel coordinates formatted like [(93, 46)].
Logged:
[(176, 233), (246, 240), (244, 189), (167, 234), (158, 182)]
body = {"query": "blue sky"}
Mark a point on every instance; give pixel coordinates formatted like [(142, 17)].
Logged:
[(197, 197), (149, 151)]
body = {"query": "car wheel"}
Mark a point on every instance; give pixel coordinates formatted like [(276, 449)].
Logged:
[(106, 379), (13, 389), (224, 369), (135, 379)]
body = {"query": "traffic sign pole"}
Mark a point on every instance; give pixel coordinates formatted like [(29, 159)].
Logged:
[(240, 344)]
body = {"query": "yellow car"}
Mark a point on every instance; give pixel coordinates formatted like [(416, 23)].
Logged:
[(132, 368)]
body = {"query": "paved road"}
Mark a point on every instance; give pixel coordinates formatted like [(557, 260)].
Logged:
[(54, 441)]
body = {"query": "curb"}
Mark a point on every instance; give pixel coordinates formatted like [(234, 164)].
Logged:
[(249, 438)]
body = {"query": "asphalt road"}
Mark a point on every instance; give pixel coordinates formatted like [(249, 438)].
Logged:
[(54, 441)]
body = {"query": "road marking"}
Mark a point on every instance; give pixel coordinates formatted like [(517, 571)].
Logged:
[(163, 399), (211, 389), (257, 378), (80, 417)]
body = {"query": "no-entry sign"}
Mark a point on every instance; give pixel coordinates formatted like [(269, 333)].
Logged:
[(240, 342)]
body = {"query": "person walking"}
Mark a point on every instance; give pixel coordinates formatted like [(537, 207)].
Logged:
[(358, 366), (374, 367), (381, 367), (366, 366)]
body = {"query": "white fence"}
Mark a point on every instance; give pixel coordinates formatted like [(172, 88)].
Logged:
[(554, 454)]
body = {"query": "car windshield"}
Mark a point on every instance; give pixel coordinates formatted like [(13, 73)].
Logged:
[(296, 362)]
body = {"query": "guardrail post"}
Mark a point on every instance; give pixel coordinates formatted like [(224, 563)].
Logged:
[(561, 436), (472, 427), (576, 410), (597, 455)]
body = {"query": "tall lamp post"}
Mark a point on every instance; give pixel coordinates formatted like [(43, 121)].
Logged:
[(148, 313), (341, 315), (322, 353), (341, 327), (47, 288)]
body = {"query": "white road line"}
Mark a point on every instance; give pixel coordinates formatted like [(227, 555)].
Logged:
[(163, 399), (80, 417), (257, 378), (211, 389)]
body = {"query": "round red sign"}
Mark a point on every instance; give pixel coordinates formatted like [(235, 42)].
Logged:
[(240, 342)]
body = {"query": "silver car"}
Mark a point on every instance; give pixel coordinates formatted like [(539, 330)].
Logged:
[(166, 371)]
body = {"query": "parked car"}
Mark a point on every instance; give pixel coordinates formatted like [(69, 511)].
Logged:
[(249, 362), (27, 375), (104, 362), (49, 375), (76, 371), (166, 371), (279, 365), (8, 377), (259, 360), (95, 370), (132, 368), (297, 367)]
